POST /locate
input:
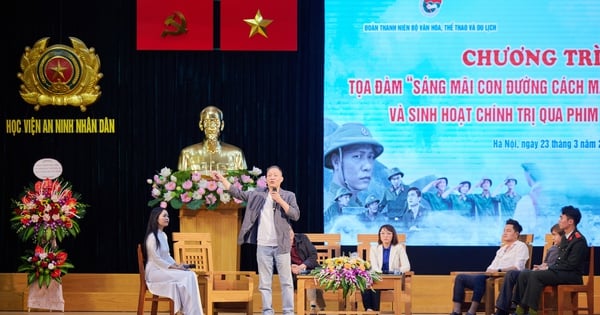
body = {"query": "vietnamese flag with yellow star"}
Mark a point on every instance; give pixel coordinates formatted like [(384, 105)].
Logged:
[(259, 25), (175, 25)]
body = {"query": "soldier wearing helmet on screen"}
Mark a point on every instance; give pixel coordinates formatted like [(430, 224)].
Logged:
[(435, 197), (485, 204), (350, 151), (372, 210), (342, 198), (507, 201), (461, 202), (394, 197)]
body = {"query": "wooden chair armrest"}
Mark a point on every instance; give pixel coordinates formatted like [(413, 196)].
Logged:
[(407, 281), (203, 274), (234, 276), (242, 273), (454, 273)]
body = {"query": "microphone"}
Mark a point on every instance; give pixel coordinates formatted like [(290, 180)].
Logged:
[(274, 189)]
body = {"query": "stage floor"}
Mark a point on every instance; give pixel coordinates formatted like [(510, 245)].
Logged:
[(115, 313)]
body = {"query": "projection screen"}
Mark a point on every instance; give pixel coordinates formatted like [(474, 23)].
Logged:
[(497, 100)]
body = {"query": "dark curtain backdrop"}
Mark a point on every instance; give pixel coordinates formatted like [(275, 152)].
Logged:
[(272, 102)]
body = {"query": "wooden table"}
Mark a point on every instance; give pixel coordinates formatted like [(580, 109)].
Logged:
[(400, 284)]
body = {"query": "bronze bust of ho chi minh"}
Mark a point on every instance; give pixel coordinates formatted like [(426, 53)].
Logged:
[(211, 154)]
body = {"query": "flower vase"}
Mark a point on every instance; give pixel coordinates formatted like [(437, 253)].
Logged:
[(48, 298)]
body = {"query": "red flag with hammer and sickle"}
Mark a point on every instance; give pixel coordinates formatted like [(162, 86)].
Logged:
[(175, 25)]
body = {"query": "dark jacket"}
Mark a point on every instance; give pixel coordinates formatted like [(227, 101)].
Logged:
[(255, 202), (571, 258), (306, 250)]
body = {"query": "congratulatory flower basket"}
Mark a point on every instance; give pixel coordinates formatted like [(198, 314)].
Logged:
[(46, 213)]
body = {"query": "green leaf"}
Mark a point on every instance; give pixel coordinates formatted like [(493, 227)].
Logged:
[(152, 203), (194, 204), (362, 282), (75, 229), (28, 234), (59, 235), (49, 234), (40, 235), (182, 176), (67, 264), (17, 220), (31, 278), (72, 231), (176, 203)]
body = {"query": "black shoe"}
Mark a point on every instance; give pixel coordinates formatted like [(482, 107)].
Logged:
[(455, 313), (501, 312)]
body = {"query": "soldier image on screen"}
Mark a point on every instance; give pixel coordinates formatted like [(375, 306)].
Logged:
[(394, 197), (350, 151)]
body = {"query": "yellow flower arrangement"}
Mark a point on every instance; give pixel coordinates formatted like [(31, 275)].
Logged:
[(348, 273)]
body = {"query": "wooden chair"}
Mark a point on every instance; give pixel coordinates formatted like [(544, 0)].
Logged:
[(494, 282), (548, 296), (328, 246), (144, 290), (560, 292), (528, 239), (363, 248), (548, 242), (225, 290)]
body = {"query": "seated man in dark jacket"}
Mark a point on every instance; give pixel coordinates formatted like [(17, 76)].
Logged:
[(567, 269), (304, 258)]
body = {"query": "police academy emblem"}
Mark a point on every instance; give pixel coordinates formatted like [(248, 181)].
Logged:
[(60, 75)]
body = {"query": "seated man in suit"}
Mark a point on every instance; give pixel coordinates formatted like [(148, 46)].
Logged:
[(304, 258)]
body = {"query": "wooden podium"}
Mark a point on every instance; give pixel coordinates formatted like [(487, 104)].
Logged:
[(223, 224)]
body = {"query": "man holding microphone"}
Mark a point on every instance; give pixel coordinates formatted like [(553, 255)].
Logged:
[(267, 224)]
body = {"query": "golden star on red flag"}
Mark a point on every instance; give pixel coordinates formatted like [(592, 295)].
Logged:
[(282, 25), (258, 25)]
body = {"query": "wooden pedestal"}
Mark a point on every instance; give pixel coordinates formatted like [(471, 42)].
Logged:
[(223, 224)]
